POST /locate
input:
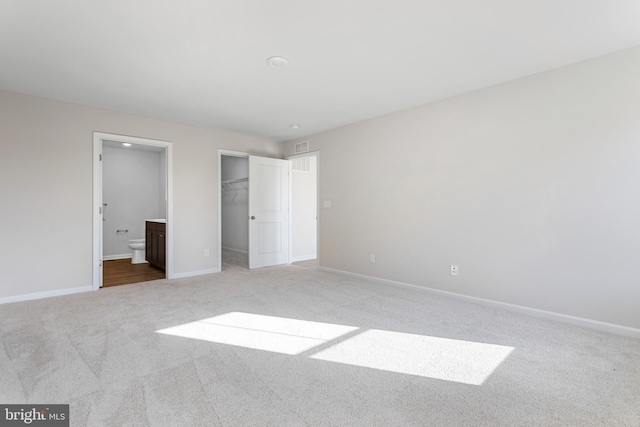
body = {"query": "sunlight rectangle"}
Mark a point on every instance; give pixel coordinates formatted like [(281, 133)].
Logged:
[(268, 333), (281, 325), (432, 357), (446, 359)]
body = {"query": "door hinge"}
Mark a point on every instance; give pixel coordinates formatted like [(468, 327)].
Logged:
[(100, 157), (100, 210)]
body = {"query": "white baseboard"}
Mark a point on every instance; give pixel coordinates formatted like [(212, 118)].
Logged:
[(564, 318), (61, 292), (303, 258), (114, 257), (236, 250), (46, 294), (195, 273)]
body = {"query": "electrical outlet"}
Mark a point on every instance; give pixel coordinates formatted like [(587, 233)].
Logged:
[(206, 252), (372, 257), (454, 270)]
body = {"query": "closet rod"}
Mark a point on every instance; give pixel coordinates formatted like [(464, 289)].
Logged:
[(235, 181)]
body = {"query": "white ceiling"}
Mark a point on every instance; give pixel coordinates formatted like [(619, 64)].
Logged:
[(203, 62)]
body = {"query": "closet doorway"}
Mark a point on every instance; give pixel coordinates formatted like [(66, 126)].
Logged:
[(234, 206), (253, 211)]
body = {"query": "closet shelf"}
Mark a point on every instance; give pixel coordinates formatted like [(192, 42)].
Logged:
[(235, 181), (234, 185)]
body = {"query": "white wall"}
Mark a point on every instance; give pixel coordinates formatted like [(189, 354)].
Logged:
[(132, 181), (235, 204), (304, 211), (531, 187), (162, 165), (46, 204)]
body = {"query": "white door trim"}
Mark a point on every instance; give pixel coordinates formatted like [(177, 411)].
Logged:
[(98, 138)]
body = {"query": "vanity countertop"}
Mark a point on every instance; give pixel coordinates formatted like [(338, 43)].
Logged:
[(164, 221)]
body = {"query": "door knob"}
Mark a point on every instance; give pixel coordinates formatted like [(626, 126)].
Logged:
[(253, 217)]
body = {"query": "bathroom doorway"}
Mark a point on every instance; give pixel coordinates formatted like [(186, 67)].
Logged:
[(132, 184)]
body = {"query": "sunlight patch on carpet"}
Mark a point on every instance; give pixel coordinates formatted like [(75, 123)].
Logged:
[(255, 331), (412, 354), (432, 357)]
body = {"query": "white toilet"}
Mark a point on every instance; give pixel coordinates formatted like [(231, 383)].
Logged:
[(138, 246)]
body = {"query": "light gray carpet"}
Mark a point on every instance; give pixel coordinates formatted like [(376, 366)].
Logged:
[(234, 260), (390, 357)]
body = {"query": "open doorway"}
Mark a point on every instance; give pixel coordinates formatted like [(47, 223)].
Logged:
[(133, 198), (304, 210), (263, 224), (234, 211)]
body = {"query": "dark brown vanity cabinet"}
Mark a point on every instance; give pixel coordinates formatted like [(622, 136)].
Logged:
[(155, 242)]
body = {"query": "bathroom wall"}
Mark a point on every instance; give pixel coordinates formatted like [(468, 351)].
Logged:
[(235, 207), (133, 189), (162, 208)]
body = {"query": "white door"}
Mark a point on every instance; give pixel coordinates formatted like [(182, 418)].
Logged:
[(268, 211)]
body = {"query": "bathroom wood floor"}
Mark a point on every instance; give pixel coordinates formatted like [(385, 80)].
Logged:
[(122, 272)]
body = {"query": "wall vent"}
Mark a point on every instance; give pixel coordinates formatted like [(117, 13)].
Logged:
[(302, 147), (302, 164)]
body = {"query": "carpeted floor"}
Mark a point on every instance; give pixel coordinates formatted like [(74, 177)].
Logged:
[(288, 346), (234, 260), (310, 263)]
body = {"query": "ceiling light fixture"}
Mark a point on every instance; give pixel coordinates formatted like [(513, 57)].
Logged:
[(295, 126), (126, 144), (278, 61)]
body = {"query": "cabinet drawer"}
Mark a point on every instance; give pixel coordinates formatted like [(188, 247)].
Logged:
[(160, 226)]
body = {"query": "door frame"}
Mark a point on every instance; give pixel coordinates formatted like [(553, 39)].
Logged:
[(229, 153), (98, 138), (315, 154)]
